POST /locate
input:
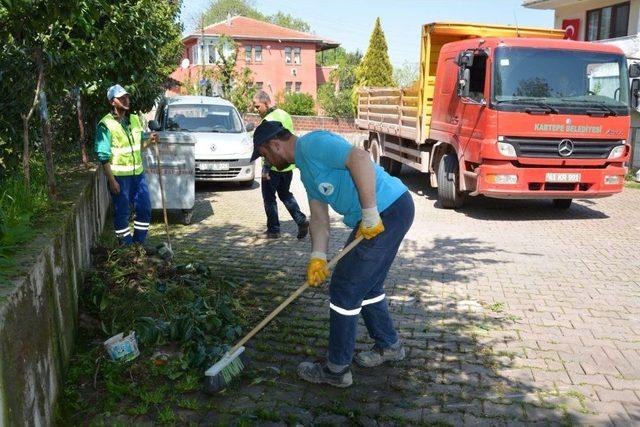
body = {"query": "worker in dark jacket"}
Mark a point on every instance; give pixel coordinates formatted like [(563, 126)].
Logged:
[(275, 181), (377, 207)]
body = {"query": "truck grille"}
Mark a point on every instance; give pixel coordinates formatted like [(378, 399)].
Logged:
[(548, 147)]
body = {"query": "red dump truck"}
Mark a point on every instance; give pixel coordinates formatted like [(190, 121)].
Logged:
[(507, 112)]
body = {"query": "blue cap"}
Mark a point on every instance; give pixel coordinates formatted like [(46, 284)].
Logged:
[(263, 134), (116, 91)]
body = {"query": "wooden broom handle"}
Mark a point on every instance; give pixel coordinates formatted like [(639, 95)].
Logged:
[(293, 296), (164, 209)]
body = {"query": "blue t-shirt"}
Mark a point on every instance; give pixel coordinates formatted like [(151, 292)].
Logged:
[(321, 157)]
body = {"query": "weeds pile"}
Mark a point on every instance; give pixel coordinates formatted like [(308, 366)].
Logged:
[(184, 305), (185, 318)]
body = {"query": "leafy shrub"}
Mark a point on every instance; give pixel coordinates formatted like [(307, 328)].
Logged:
[(335, 105), (298, 104)]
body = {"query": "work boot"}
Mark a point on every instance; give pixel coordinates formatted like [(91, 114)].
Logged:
[(377, 356), (303, 230), (319, 373)]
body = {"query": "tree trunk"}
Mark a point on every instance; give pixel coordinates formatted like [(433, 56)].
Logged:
[(25, 150), (83, 145), (26, 170), (46, 134)]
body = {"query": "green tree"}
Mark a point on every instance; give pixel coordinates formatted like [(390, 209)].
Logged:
[(407, 75), (335, 104), (375, 68), (243, 91), (51, 48), (220, 9), (298, 104), (289, 21)]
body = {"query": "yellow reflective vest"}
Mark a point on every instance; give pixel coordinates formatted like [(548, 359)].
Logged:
[(125, 146)]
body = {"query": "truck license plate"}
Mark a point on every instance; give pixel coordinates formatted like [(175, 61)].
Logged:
[(214, 166), (563, 177)]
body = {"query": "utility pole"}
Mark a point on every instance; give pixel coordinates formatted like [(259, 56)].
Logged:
[(200, 83)]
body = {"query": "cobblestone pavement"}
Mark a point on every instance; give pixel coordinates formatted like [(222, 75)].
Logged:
[(512, 313)]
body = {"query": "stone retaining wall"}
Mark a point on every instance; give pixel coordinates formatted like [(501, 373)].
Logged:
[(38, 313)]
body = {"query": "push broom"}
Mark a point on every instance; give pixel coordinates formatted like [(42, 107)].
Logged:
[(234, 360)]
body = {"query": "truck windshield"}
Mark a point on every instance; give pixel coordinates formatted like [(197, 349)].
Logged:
[(203, 118), (560, 81)]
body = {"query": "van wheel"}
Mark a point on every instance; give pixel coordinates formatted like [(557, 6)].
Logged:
[(562, 203), (449, 193)]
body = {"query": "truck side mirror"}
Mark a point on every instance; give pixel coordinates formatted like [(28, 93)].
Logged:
[(154, 125), (464, 78), (465, 58), (250, 127), (635, 93), (634, 70)]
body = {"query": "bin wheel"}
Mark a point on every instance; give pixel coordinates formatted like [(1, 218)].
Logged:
[(186, 216)]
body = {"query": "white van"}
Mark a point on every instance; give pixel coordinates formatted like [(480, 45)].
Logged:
[(223, 147)]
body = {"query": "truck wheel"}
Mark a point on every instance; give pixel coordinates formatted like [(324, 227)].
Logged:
[(374, 150), (448, 177), (394, 167), (562, 203)]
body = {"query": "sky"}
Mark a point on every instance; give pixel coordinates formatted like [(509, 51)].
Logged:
[(350, 22)]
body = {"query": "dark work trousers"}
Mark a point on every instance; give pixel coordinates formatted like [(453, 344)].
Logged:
[(357, 285), (279, 183), (133, 191)]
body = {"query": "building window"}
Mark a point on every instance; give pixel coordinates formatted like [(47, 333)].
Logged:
[(247, 53), (298, 86), (287, 87), (211, 54), (257, 53), (195, 50), (608, 22), (296, 55), (287, 55), (259, 85)]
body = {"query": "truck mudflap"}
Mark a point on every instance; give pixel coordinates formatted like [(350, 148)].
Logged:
[(510, 182)]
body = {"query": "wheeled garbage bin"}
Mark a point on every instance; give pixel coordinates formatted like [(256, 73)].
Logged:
[(178, 169)]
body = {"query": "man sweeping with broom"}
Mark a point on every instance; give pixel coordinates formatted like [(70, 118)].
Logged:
[(377, 207)]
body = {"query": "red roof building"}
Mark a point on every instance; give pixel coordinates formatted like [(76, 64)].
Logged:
[(281, 59)]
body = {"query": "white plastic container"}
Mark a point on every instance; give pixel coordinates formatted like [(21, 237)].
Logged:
[(121, 348)]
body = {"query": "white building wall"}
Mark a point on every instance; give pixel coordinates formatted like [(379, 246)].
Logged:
[(579, 11)]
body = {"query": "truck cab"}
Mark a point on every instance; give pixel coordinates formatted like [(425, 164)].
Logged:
[(507, 112), (223, 148), (534, 118)]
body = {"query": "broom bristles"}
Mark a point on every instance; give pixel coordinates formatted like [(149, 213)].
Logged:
[(228, 367)]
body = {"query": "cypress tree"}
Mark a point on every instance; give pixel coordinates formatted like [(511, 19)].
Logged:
[(375, 68)]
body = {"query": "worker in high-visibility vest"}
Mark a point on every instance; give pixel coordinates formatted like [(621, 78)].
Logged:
[(275, 181), (118, 146)]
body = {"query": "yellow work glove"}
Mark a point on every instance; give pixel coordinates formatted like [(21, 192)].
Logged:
[(371, 224), (317, 270)]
